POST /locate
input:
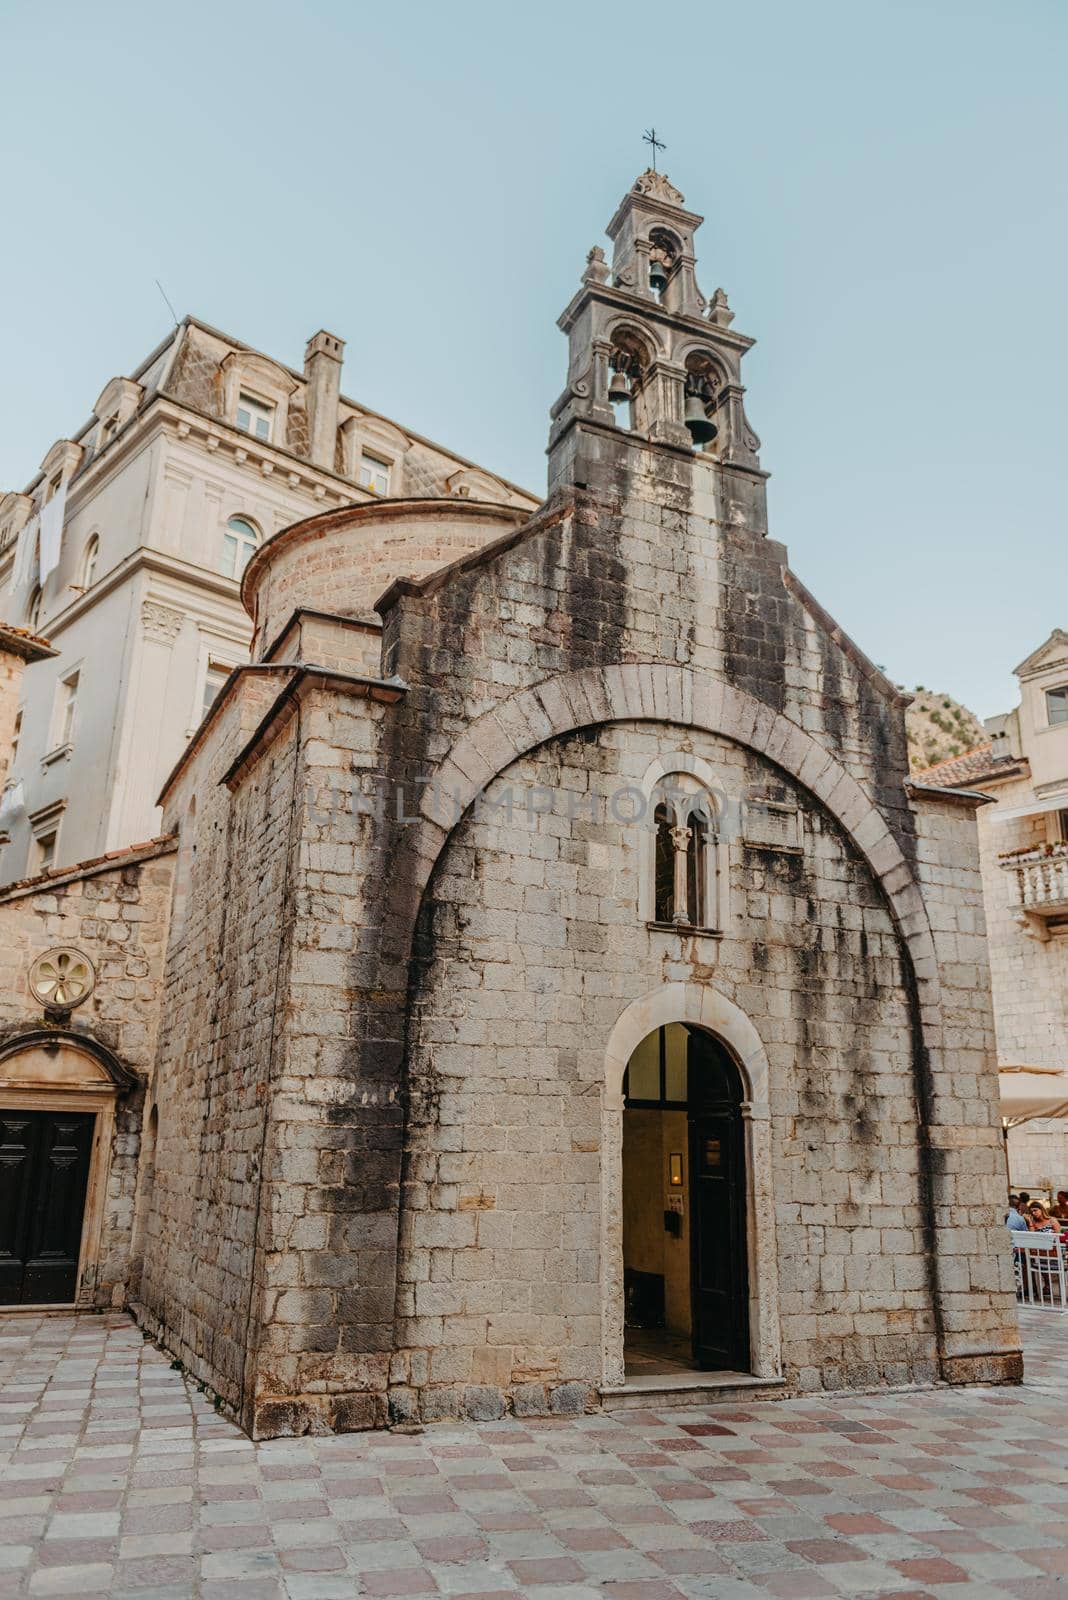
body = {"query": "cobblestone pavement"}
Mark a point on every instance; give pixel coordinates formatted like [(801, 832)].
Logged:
[(117, 1478)]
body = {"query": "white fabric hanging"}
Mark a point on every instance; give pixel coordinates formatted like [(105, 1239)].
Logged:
[(52, 532), (12, 804), (20, 567)]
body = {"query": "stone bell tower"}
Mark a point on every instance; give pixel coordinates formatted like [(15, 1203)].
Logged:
[(652, 363)]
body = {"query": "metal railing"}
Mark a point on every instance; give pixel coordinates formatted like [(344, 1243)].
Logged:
[(1040, 1270)]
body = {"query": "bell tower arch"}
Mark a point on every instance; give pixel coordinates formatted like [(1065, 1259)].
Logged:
[(652, 362)]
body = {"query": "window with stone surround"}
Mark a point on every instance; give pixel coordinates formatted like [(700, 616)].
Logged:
[(215, 675), (45, 851), (240, 543), (66, 711), (255, 416), (89, 562), (1057, 705), (374, 474), (683, 864)]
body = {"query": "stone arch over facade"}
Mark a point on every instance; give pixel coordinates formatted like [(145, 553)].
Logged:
[(705, 1007), (645, 692), (650, 692)]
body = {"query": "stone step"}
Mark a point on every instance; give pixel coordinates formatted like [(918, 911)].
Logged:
[(663, 1391)]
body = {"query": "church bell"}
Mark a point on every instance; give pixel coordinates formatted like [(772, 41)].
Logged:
[(657, 276), (702, 431), (619, 388)]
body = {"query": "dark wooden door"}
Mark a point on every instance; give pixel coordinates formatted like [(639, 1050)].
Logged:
[(44, 1171), (719, 1274)]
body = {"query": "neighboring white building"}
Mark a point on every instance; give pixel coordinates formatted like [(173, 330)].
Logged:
[(182, 470), (1023, 842)]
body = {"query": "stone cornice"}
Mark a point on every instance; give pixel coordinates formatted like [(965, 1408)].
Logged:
[(651, 311), (376, 509), (144, 559), (113, 861), (290, 674), (303, 675), (971, 799), (296, 617)]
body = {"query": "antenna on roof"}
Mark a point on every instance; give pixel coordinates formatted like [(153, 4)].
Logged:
[(166, 302)]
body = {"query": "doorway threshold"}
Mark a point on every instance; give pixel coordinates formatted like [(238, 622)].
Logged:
[(693, 1388)]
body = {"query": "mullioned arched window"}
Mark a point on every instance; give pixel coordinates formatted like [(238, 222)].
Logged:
[(684, 868)]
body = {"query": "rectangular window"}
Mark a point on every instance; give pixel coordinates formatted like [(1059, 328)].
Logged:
[(214, 679), (67, 709), (254, 416), (15, 737), (374, 474), (1057, 705), (1062, 821), (45, 851)]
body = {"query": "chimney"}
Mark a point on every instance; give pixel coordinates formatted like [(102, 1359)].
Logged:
[(322, 370)]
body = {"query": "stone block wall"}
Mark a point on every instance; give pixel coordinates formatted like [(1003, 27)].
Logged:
[(530, 947), (115, 911), (223, 999), (384, 1079)]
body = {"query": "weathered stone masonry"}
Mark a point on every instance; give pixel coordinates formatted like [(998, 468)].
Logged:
[(389, 1089)]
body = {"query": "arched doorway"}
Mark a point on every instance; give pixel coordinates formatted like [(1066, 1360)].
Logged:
[(58, 1098), (684, 1211)]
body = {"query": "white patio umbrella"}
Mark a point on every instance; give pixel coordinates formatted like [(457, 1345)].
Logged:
[(1028, 1093)]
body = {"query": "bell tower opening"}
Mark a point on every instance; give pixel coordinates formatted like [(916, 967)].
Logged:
[(685, 1276), (654, 364)]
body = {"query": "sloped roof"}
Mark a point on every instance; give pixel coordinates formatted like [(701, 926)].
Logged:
[(130, 855), (1057, 637), (975, 767), (21, 642)]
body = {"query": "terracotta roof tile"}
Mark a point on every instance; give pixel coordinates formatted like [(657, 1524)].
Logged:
[(975, 767), (77, 869)]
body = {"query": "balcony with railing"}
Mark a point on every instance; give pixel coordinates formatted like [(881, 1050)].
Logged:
[(1038, 879)]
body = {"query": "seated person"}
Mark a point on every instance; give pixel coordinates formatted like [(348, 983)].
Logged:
[(1015, 1221), (1060, 1205), (1040, 1220)]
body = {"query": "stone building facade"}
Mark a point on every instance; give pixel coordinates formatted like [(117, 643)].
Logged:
[(1023, 849), (81, 970), (183, 468), (569, 998)]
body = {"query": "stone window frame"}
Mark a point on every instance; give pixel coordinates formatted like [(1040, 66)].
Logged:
[(90, 561), (115, 405), (1051, 721), (367, 462), (45, 824), (258, 411), (372, 436), (249, 522), (64, 713), (696, 780), (262, 380), (216, 650)]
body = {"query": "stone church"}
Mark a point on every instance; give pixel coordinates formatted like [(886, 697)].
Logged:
[(549, 991)]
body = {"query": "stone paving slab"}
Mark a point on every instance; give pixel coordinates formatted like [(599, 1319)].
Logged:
[(117, 1478)]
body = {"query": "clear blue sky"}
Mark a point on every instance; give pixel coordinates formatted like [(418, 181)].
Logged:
[(884, 186)]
